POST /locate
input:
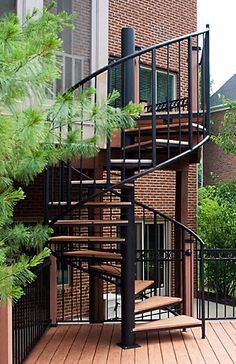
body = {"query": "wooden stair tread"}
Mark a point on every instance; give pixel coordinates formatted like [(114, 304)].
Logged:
[(108, 204), (95, 204), (177, 322), (143, 162), (163, 127), (62, 203), (100, 183), (91, 222), (158, 126), (89, 182), (141, 285), (159, 142), (96, 239), (112, 270), (155, 302), (94, 254)]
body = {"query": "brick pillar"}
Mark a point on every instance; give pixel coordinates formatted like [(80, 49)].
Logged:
[(6, 333)]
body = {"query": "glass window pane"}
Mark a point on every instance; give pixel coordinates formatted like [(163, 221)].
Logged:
[(165, 87), (68, 72), (145, 85), (163, 81), (116, 83), (77, 71)]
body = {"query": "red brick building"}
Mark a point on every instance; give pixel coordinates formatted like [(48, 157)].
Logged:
[(146, 176)]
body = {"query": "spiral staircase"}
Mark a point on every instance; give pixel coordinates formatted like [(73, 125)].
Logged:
[(91, 203)]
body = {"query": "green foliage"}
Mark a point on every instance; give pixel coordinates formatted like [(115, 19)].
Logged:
[(36, 131), (226, 138), (217, 227)]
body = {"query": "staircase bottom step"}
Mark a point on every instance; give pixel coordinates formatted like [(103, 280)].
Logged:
[(177, 322)]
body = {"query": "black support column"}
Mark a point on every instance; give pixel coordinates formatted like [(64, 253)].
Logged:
[(128, 273), (129, 232)]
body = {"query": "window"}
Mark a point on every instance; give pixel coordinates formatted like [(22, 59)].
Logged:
[(146, 243), (7, 6), (63, 274), (72, 71), (165, 86)]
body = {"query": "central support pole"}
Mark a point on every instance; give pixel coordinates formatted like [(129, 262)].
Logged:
[(129, 232), (128, 273), (127, 79)]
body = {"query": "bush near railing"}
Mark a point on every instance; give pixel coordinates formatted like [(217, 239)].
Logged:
[(220, 272)]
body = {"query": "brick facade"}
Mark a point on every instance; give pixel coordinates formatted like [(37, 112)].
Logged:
[(154, 22)]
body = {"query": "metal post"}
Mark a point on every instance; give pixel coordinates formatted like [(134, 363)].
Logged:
[(127, 79), (127, 48), (46, 194), (128, 276), (202, 282), (190, 93), (207, 76)]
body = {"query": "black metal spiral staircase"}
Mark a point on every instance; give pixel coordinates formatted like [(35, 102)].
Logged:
[(91, 203)]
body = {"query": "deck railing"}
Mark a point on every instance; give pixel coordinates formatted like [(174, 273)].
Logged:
[(219, 285), (31, 314)]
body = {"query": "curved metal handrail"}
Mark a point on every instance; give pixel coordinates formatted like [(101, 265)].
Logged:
[(134, 55)]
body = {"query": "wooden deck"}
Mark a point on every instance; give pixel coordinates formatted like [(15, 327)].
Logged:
[(85, 344)]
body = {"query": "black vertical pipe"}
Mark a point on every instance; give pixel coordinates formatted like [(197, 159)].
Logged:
[(207, 77), (154, 100), (127, 79), (128, 261), (127, 48), (46, 195), (108, 155), (190, 92), (202, 284), (128, 274)]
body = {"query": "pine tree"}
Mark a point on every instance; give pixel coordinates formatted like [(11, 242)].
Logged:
[(29, 132)]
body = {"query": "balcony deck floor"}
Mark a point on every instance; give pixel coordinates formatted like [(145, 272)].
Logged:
[(87, 344)]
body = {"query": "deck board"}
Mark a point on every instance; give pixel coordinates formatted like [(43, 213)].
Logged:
[(193, 348), (114, 355), (217, 345), (154, 349), (180, 350), (103, 345), (205, 348), (141, 353), (97, 343), (167, 349), (78, 345), (225, 340)]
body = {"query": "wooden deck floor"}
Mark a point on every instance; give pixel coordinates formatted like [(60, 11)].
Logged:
[(86, 344)]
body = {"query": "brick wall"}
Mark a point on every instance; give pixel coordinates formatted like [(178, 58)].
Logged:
[(153, 20), (81, 39), (217, 165), (156, 21)]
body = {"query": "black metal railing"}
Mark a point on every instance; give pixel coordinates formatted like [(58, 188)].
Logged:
[(161, 136), (167, 252), (219, 284), (31, 314), (158, 140)]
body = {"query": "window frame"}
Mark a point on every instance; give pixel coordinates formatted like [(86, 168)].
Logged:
[(159, 70), (166, 245)]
